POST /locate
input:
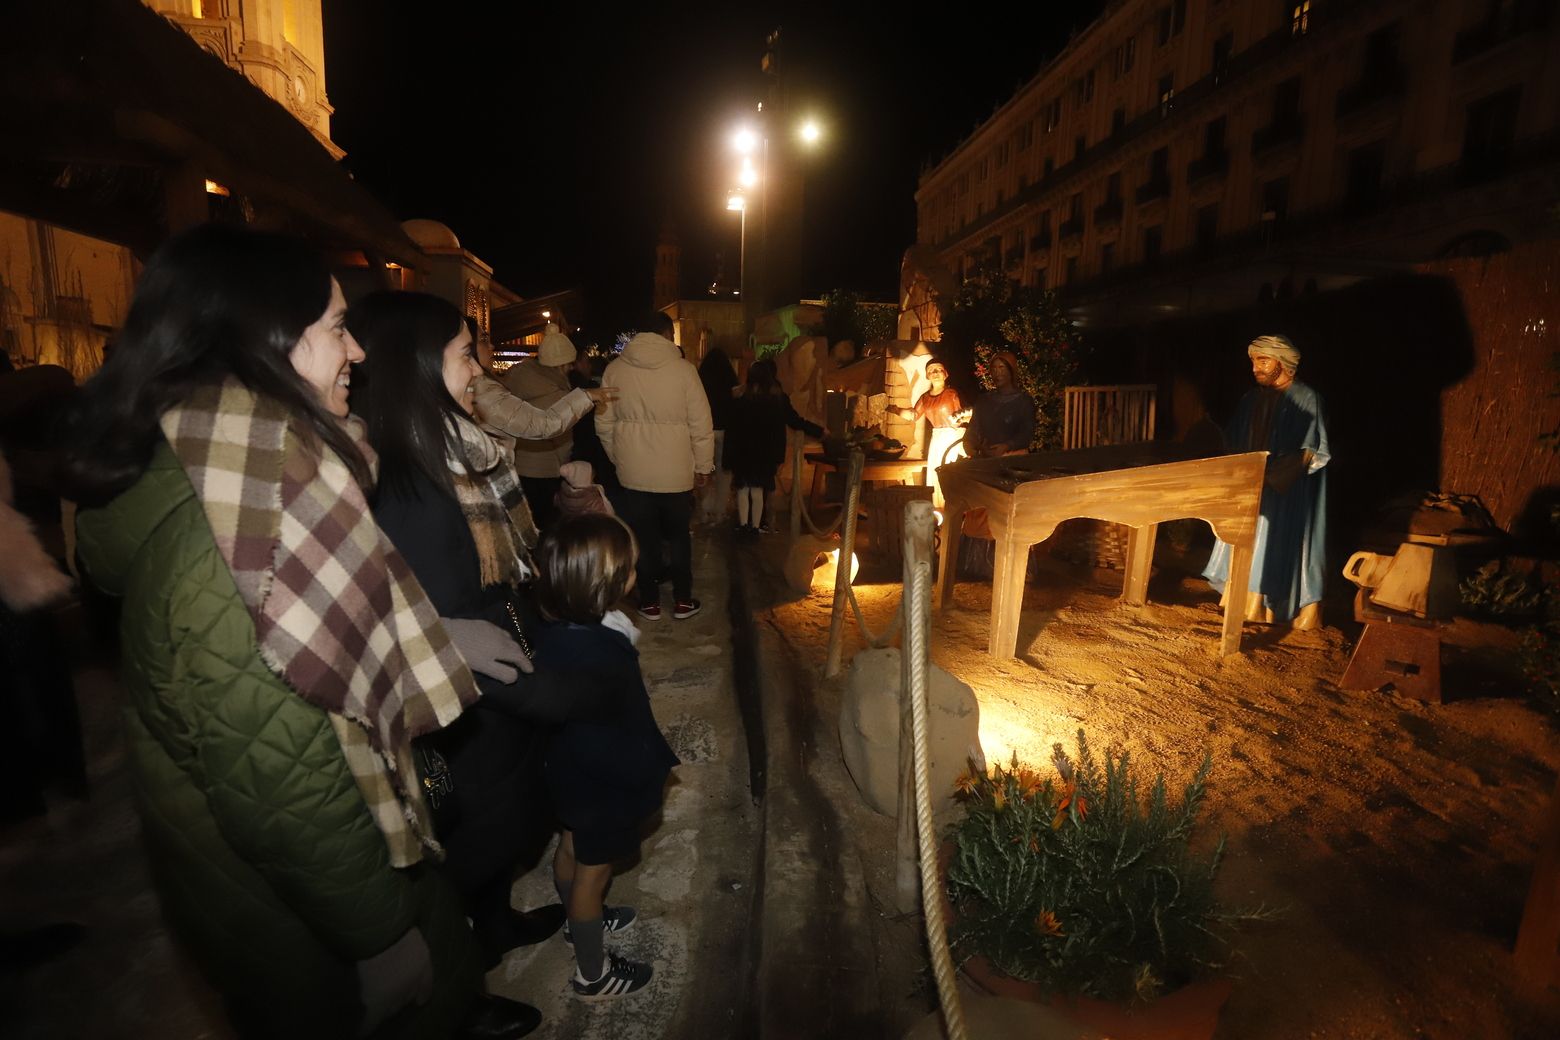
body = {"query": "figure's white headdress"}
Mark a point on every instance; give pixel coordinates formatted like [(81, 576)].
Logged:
[(1278, 348)]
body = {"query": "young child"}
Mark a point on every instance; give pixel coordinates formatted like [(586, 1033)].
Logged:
[(606, 773), (755, 442)]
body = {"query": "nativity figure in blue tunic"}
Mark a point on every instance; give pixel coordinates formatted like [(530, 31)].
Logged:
[(1284, 418)]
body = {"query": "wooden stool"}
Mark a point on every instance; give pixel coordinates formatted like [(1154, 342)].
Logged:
[(1397, 650)]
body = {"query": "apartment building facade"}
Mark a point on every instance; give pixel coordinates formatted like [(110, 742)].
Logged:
[(1185, 154)]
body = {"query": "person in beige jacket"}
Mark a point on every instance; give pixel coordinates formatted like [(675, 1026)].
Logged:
[(660, 437), (543, 381)]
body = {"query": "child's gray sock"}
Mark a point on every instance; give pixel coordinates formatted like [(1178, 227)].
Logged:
[(588, 952)]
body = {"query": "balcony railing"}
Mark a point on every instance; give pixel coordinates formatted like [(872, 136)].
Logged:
[(1155, 188), (1108, 212), (1215, 165), (1040, 240), (1071, 228)]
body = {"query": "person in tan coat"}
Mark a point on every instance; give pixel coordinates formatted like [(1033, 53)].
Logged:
[(661, 439), (543, 381)]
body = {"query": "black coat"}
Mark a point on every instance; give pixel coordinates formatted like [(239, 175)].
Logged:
[(755, 438), (495, 749), (605, 770)]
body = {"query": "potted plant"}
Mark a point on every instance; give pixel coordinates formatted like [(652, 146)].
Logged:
[(1082, 890)]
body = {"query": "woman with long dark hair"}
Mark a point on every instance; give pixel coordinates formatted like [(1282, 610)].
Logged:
[(755, 442), (451, 502), (278, 655)]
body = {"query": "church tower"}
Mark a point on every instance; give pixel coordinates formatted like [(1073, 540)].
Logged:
[(278, 45)]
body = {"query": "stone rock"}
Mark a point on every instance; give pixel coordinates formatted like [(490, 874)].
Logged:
[(800, 557), (869, 731)]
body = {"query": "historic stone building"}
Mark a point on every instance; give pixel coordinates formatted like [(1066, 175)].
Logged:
[(278, 45), (1186, 156)]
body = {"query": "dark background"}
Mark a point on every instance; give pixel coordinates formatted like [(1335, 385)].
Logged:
[(556, 141)]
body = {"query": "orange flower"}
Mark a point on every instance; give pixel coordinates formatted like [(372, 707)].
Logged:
[(998, 798), (965, 783), (1070, 797), (1048, 924)]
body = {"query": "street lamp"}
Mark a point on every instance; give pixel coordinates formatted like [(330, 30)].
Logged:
[(754, 174)]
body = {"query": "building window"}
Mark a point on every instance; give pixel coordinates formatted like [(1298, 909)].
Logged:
[(1275, 201), (1053, 114), (1166, 94), (1026, 135), (1207, 226), (1362, 191), (1050, 165), (1072, 270), (1299, 17), (1039, 278), (1490, 133), (1159, 165), (1078, 146), (1178, 16), (1286, 102), (1113, 187), (1162, 36), (1153, 245), (1223, 47), (1213, 138), (981, 170), (1118, 121), (1002, 155), (1126, 54), (1086, 87), (1075, 209), (1107, 257)]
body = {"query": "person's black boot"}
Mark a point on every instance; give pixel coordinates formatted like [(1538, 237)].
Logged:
[(496, 1018), (539, 925)]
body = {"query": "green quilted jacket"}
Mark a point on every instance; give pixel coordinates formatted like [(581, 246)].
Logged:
[(266, 858)]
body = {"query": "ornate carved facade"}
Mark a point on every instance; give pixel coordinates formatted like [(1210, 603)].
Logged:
[(278, 45)]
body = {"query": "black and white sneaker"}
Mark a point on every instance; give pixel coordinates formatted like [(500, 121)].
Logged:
[(613, 919), (619, 977)]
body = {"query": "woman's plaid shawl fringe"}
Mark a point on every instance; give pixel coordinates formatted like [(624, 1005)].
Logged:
[(338, 615)]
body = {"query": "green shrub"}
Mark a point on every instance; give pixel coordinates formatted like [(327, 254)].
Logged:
[(1079, 884), (1496, 592)]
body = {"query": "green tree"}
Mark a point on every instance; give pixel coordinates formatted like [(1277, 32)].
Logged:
[(992, 313)]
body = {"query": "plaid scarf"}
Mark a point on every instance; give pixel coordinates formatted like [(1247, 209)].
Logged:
[(494, 507), (338, 615)]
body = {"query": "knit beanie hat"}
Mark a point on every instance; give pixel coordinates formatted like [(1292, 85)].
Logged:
[(556, 348)]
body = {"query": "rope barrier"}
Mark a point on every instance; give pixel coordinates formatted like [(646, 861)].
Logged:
[(800, 514), (894, 624), (931, 881)]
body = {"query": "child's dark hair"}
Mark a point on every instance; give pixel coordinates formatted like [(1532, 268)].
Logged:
[(586, 565)]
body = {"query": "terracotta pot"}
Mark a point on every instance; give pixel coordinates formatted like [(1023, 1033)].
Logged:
[(1190, 1013)]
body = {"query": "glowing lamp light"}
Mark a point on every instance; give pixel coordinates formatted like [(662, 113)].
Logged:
[(736, 203), (744, 140), (212, 187), (834, 565), (749, 175), (810, 132), (547, 314)]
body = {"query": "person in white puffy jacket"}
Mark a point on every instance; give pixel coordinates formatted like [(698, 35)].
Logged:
[(660, 437)]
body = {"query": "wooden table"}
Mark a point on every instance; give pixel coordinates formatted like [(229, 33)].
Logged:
[(901, 470), (1139, 485)]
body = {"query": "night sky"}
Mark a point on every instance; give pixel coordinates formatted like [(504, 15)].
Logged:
[(557, 144)]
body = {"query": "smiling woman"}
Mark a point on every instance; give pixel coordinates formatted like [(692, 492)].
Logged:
[(226, 503)]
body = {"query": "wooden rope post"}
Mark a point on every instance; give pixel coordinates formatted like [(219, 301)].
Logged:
[(842, 570), (917, 545)]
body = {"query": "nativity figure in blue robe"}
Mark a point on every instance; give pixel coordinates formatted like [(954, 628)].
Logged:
[(1284, 418)]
